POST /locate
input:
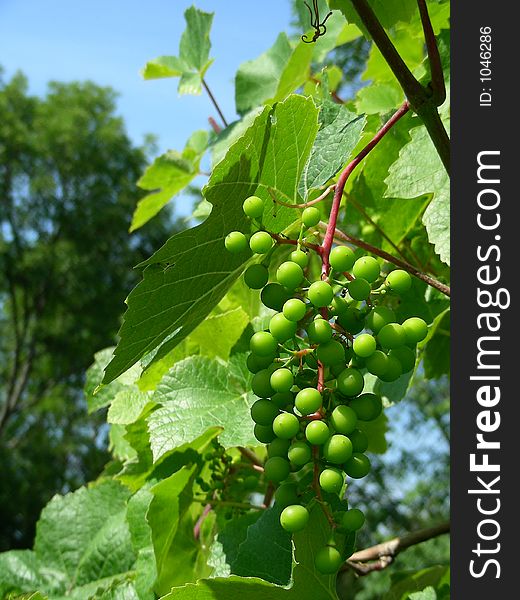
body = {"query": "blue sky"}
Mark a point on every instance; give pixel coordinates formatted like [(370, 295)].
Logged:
[(108, 41)]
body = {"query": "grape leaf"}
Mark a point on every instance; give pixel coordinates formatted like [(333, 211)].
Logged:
[(379, 98), (388, 12), (199, 393), (191, 273), (436, 577)]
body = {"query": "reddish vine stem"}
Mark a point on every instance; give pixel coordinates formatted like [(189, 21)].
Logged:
[(215, 103), (434, 58), (198, 525), (269, 493), (283, 240), (251, 456)]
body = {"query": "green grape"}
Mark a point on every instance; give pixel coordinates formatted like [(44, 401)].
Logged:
[(256, 276), (274, 296), (415, 330), (294, 310), (294, 518), (359, 440), (253, 207), (300, 258), (392, 336), (320, 294), (342, 258), (377, 364), (289, 274), (399, 281), (263, 412), (282, 380), (308, 401), (264, 433), (331, 480), (261, 384), (299, 453), (276, 469), (331, 353), (350, 382), (352, 320), (282, 399), (286, 426), (364, 345), (281, 328), (357, 466), (319, 331), (311, 216), (353, 519), (256, 363), (337, 449), (367, 407), (393, 370), (278, 447), (263, 344), (286, 494), (359, 288), (261, 242), (379, 317), (343, 419), (317, 432), (406, 356), (251, 482), (235, 242), (339, 305), (367, 268), (328, 560)]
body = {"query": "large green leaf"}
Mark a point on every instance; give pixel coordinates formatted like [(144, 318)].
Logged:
[(191, 273), (198, 393), (413, 584), (193, 60), (388, 12), (169, 174)]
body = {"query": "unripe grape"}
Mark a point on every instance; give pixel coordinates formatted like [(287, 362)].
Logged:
[(261, 242), (364, 345), (415, 330), (331, 353), (235, 242), (331, 480), (308, 401), (337, 449), (367, 406), (379, 317), (392, 336), (256, 276), (282, 380), (343, 419), (342, 258), (286, 426), (352, 320), (261, 384), (256, 363), (282, 399), (350, 382), (294, 310), (393, 369), (367, 268), (353, 519), (299, 453), (357, 466), (320, 294), (274, 296), (406, 356), (264, 433), (278, 447), (377, 364), (311, 216), (289, 274), (359, 440), (319, 331), (294, 518), (359, 289), (300, 258), (262, 343), (281, 328), (286, 494), (339, 305), (253, 207), (399, 281), (328, 560), (263, 412), (276, 469), (317, 433)]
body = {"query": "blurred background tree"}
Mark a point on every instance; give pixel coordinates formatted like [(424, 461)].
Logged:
[(68, 175)]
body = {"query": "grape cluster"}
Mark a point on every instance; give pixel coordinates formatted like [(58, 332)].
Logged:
[(308, 371)]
